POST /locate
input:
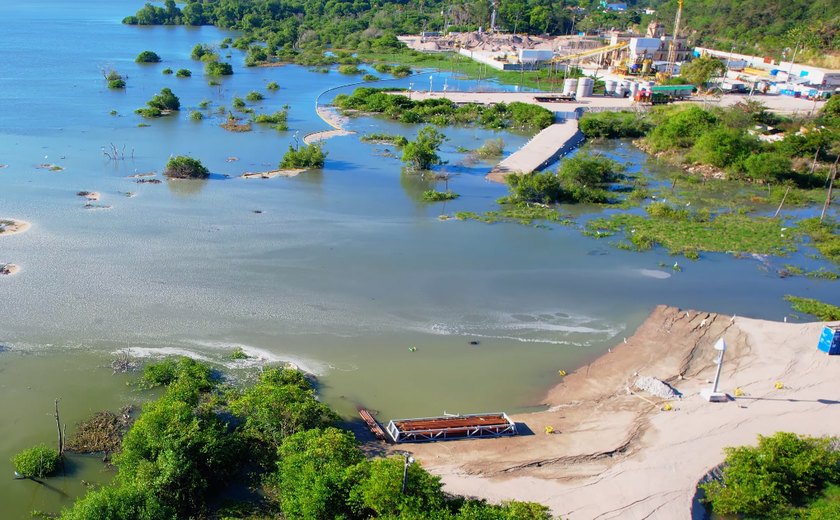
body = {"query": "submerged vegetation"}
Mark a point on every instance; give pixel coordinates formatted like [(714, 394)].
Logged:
[(823, 311), (203, 437)]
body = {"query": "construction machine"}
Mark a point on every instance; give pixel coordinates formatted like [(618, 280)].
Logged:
[(663, 76)]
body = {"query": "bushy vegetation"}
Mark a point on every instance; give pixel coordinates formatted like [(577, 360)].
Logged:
[(422, 153), (114, 79), (349, 69), (278, 120), (780, 478), (614, 125), (147, 57), (254, 96), (218, 68), (443, 112), (201, 438), (823, 311), (582, 178), (183, 73), (162, 103), (272, 85), (38, 461), (183, 167), (491, 149), (306, 156)]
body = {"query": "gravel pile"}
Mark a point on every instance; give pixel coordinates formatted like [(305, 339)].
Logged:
[(656, 387)]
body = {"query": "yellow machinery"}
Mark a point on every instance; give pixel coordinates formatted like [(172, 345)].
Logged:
[(672, 49), (590, 52)]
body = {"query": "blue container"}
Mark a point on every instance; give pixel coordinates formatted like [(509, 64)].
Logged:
[(830, 341)]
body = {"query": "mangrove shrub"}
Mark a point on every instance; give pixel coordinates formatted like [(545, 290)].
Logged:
[(183, 167), (306, 156), (37, 461), (612, 125), (218, 68), (422, 153), (147, 57)]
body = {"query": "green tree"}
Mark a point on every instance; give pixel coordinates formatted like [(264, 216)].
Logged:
[(183, 167), (784, 470), (218, 68), (700, 70), (312, 473), (118, 503), (377, 489), (281, 403), (680, 128), (422, 153), (147, 57), (37, 461), (767, 167), (306, 156), (165, 100), (722, 147)]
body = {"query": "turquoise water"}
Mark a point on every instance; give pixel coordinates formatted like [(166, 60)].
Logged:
[(342, 271)]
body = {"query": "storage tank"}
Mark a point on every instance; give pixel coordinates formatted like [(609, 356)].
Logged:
[(609, 87), (584, 87), (570, 86), (620, 90)]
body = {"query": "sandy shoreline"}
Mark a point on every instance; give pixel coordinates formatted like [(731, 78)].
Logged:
[(12, 226), (616, 453), (332, 118)]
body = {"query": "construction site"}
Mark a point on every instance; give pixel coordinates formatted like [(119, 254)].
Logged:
[(630, 65)]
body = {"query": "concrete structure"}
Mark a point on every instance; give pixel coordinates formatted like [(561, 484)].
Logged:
[(543, 149)]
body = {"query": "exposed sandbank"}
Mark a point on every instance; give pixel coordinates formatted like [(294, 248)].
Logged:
[(8, 269), (272, 173), (11, 226), (616, 453)]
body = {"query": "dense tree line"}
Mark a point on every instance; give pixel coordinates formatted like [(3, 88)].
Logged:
[(203, 436), (442, 112)]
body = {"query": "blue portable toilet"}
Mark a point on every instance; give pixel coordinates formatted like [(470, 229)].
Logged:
[(830, 341)]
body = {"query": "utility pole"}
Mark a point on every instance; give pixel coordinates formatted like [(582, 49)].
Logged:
[(830, 189)]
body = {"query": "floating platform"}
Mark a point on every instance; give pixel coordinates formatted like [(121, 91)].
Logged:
[(372, 424), (450, 427)]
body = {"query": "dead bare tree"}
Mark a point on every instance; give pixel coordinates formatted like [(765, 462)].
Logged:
[(116, 154), (60, 433)]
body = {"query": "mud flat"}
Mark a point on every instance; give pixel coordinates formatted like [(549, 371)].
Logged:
[(619, 452)]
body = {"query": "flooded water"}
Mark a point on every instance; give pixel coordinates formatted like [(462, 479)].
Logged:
[(341, 271)]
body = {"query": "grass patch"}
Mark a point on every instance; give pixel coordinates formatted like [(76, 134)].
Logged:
[(824, 236), (523, 213), (396, 140), (823, 311), (682, 232)]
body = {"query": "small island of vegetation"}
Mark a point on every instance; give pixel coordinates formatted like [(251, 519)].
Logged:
[(161, 104), (306, 157), (147, 57), (183, 167)]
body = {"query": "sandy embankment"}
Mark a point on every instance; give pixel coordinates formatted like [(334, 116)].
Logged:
[(332, 118), (616, 453)]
